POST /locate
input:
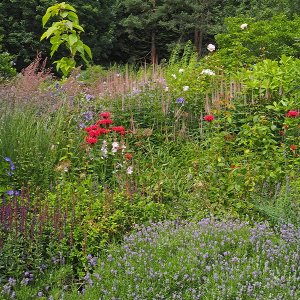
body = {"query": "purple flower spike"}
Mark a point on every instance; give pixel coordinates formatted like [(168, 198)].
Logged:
[(12, 166)]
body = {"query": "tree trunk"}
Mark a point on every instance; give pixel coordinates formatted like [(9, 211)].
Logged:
[(153, 49), (198, 38)]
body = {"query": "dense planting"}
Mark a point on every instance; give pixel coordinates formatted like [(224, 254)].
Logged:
[(145, 153)]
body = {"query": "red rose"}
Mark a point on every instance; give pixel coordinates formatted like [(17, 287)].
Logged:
[(293, 114), (91, 140), (209, 118), (105, 115)]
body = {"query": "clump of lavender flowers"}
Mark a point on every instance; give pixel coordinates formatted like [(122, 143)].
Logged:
[(206, 260)]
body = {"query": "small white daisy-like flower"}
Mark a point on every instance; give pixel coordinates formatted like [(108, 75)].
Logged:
[(243, 26), (186, 88), (211, 47), (166, 89), (174, 76), (181, 71)]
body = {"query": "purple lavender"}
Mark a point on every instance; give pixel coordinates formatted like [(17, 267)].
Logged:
[(212, 259)]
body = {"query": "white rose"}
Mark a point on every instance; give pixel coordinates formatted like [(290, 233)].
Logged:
[(211, 47), (208, 72)]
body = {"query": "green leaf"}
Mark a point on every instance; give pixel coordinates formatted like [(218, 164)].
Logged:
[(78, 27), (73, 39), (70, 7), (73, 17), (88, 50), (55, 47), (45, 19)]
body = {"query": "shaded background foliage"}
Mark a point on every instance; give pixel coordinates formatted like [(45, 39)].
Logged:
[(130, 30)]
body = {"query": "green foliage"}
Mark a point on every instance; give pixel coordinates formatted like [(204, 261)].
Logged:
[(269, 38), (6, 67), (65, 32)]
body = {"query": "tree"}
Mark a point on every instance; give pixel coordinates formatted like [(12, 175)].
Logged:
[(141, 23)]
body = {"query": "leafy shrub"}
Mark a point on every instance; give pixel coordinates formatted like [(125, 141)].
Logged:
[(6, 67), (259, 40)]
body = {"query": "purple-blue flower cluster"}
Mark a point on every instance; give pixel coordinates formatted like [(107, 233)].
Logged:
[(205, 260)]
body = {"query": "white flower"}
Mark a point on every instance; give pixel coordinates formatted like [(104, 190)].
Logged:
[(123, 147), (174, 76), (243, 26), (166, 89), (115, 147), (104, 149), (211, 47), (181, 71), (208, 72), (186, 88), (130, 170)]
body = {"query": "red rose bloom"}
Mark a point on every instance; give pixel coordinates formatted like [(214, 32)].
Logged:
[(105, 115), (209, 118), (293, 114), (91, 140)]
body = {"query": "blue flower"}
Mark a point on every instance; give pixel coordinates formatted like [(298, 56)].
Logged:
[(89, 97), (180, 100), (13, 193), (10, 192), (12, 166)]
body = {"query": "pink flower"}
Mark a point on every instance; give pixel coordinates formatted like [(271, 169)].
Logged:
[(293, 114), (209, 118)]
